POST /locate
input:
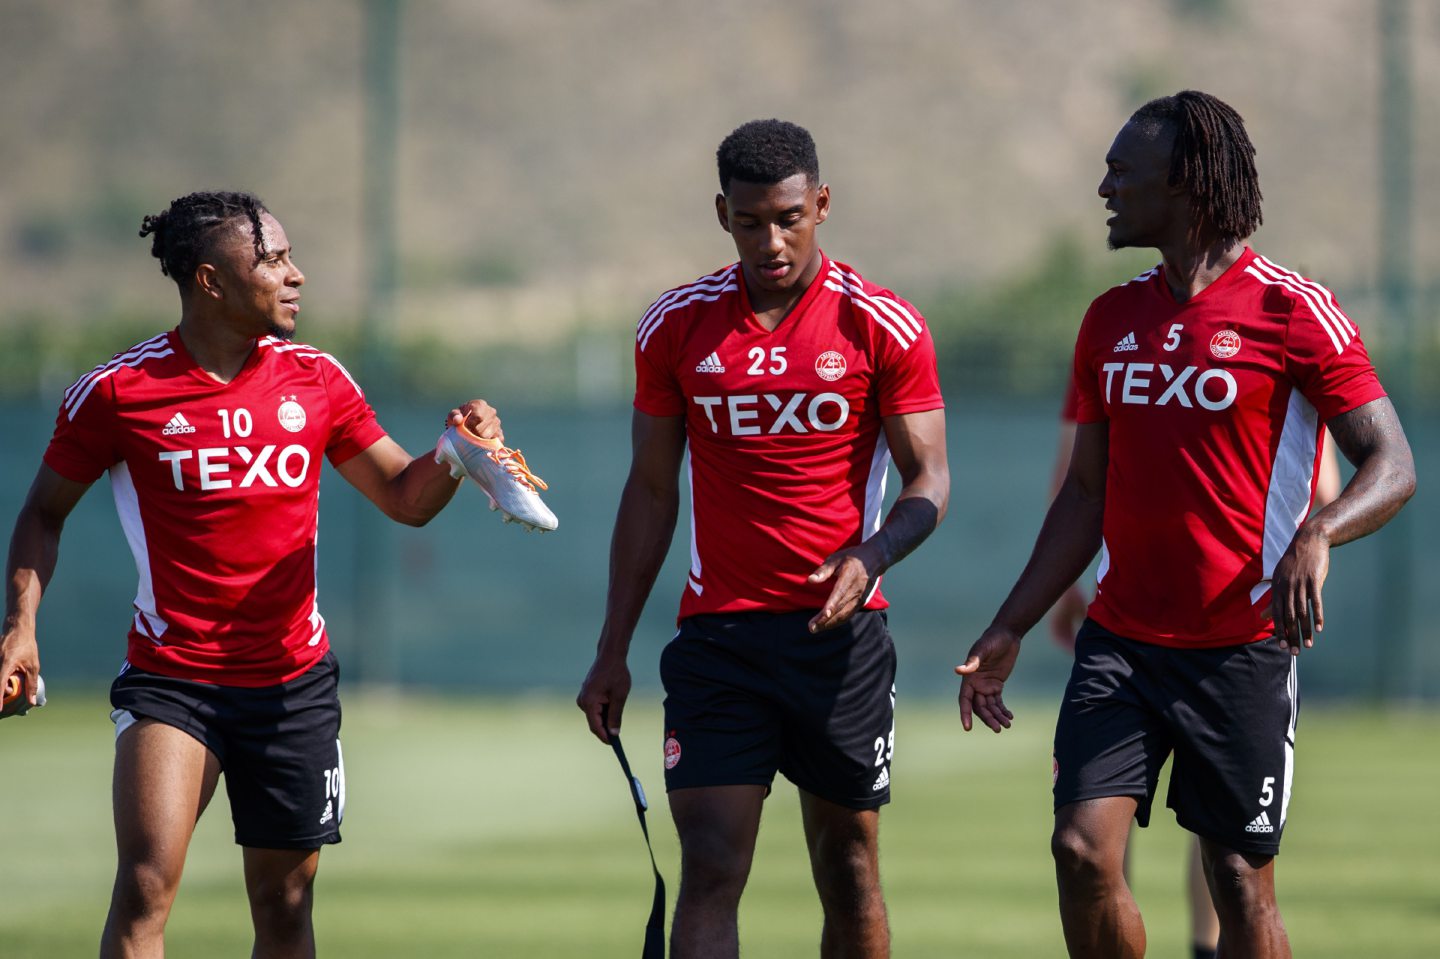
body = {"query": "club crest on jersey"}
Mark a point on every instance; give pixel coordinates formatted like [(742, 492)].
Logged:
[(672, 753), (1225, 344), (830, 366), (292, 415)]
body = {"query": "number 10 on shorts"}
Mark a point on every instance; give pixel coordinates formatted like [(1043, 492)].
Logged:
[(334, 789)]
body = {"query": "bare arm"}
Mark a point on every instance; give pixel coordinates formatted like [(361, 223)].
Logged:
[(1327, 485), (644, 527), (412, 490), (917, 444), (1373, 441), (34, 549), (1069, 610), (1068, 540)]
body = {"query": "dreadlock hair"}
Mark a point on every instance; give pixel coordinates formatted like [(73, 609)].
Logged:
[(185, 234), (766, 152), (1212, 158)]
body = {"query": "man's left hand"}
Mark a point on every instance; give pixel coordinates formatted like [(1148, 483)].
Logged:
[(854, 572), (1295, 587)]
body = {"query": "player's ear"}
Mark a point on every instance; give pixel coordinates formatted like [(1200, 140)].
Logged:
[(722, 212), (822, 203), (207, 281)]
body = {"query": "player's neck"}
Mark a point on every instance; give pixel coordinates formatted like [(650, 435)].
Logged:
[(219, 351), (1191, 267)]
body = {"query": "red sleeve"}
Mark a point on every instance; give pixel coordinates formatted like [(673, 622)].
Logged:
[(1084, 379), (907, 378), (83, 446), (353, 427), (1326, 357), (657, 391)]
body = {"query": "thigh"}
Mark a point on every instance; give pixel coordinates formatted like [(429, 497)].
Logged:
[(284, 768), (164, 778), (1100, 827), (838, 690), (721, 725), (1234, 714), (717, 826), (284, 874), (841, 840), (1109, 740)]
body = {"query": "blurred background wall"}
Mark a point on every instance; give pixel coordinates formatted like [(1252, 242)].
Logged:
[(485, 195)]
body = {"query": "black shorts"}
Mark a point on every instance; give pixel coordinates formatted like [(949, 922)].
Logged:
[(751, 694), (279, 747), (1228, 714)]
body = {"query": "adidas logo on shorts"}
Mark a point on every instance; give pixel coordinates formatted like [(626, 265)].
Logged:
[(1127, 343), (882, 780), (1260, 823), (178, 424), (711, 364)]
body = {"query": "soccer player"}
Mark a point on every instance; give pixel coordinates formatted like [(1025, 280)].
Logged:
[(212, 434), (793, 382), (1065, 619), (1204, 385)]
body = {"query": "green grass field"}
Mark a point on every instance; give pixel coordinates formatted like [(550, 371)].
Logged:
[(496, 827)]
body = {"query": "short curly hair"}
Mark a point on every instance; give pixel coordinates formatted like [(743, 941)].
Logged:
[(185, 234), (765, 152)]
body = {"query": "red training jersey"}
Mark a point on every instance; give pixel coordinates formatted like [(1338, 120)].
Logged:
[(787, 460), (218, 490), (1216, 407)]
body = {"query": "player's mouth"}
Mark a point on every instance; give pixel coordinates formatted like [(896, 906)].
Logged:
[(773, 270), (292, 305)]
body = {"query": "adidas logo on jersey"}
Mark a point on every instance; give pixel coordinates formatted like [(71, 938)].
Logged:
[(1260, 823), (711, 364), (882, 780), (177, 425), (1126, 344)]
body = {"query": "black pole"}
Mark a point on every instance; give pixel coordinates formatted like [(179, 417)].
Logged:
[(1397, 674), (375, 642)]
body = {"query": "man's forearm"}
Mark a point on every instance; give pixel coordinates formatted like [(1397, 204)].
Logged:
[(644, 527), (1068, 540), (1384, 478), (34, 549), (910, 522)]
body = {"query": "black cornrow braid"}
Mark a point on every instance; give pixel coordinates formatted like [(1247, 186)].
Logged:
[(1213, 159), (184, 233)]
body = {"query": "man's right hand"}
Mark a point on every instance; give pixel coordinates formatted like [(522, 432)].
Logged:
[(983, 676), (603, 694), (20, 656)]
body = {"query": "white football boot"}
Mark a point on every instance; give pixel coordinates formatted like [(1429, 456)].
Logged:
[(501, 472)]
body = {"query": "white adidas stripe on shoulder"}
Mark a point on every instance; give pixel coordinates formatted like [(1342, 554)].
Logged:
[(1143, 277), (1327, 298), (1322, 303), (888, 312), (153, 348), (153, 342), (706, 289), (306, 351)]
